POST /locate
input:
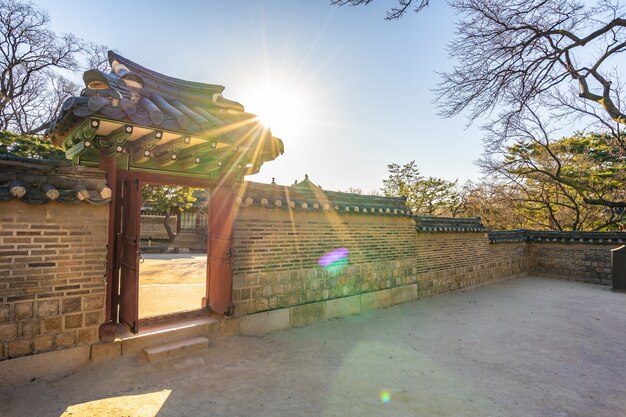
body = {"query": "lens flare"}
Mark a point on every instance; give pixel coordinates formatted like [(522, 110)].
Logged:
[(334, 261), (385, 397), (334, 256)]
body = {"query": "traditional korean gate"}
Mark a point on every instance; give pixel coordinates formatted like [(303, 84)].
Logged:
[(128, 245)]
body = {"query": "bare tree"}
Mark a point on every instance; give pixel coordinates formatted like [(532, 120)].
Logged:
[(559, 183), (95, 56), (509, 52), (394, 12), (29, 54)]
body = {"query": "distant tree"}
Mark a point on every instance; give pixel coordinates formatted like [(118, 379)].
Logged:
[(28, 146), (574, 183), (167, 200), (495, 202), (354, 190), (425, 195)]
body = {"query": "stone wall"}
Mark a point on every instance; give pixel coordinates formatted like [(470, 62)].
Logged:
[(52, 275), (575, 261), (152, 227), (580, 256)]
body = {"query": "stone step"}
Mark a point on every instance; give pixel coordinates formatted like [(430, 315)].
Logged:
[(169, 332), (177, 348)]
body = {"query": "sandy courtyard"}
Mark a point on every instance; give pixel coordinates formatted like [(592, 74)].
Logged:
[(525, 347), (170, 283)]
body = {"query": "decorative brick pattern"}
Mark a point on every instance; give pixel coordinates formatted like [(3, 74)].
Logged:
[(52, 275)]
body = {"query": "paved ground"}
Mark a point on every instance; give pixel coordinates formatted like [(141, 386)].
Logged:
[(527, 347), (170, 283)]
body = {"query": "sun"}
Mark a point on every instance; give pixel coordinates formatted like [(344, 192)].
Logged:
[(280, 107)]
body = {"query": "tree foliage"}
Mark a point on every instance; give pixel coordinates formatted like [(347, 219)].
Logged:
[(28, 146), (574, 183), (167, 200), (425, 195)]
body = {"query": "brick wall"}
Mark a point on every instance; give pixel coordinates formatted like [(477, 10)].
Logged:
[(448, 261), (277, 253), (575, 261), (52, 275)]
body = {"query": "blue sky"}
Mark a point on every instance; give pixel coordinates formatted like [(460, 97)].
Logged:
[(356, 88)]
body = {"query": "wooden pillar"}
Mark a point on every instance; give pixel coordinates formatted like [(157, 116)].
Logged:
[(221, 217), (107, 329)]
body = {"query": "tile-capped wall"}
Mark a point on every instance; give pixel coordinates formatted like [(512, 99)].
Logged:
[(277, 253)]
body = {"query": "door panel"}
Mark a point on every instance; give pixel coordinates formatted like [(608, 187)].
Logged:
[(219, 269), (129, 256)]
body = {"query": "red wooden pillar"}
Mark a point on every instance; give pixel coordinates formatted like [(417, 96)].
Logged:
[(107, 329), (110, 166), (219, 250)]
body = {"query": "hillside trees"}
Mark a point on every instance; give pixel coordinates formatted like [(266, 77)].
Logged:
[(426, 196)]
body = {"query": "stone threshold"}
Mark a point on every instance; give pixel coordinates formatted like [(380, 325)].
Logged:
[(128, 343)]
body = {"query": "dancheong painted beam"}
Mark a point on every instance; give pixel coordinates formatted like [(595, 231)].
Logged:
[(152, 122)]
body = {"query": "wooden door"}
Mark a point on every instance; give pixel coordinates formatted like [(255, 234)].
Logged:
[(219, 251), (129, 253)]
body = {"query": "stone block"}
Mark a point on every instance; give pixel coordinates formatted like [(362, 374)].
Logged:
[(23, 311), (19, 348), (93, 318), (103, 351), (30, 328), (176, 348), (73, 321), (5, 310), (229, 327), (375, 300), (87, 336), (42, 343), (403, 294), (166, 333), (52, 324), (8, 332), (307, 314), (42, 366), (342, 307), (66, 339), (94, 302), (47, 308), (262, 323), (71, 305)]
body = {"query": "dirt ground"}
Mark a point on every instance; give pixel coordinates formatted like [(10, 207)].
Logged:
[(170, 283), (525, 347)]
